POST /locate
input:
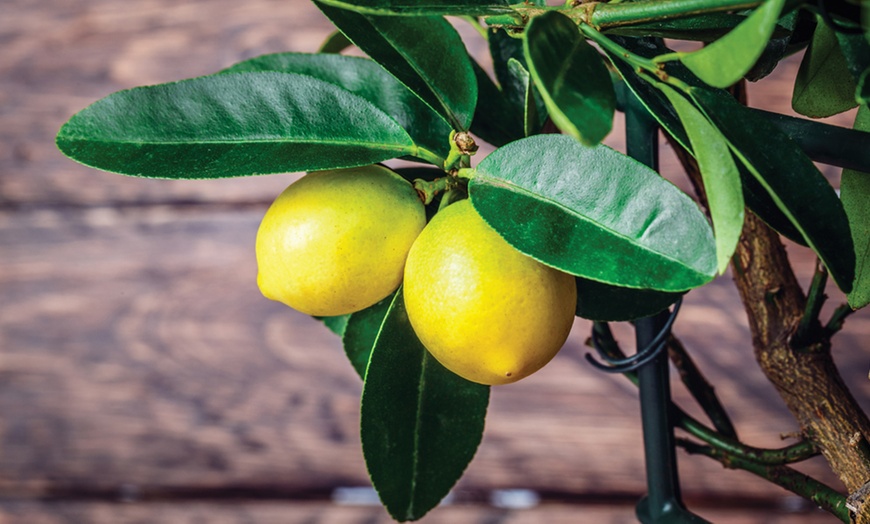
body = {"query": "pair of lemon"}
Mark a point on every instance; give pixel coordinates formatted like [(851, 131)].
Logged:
[(336, 242)]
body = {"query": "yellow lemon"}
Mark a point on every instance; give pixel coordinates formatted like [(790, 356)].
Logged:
[(335, 242), (484, 310)]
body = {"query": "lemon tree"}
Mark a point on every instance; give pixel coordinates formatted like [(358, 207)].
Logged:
[(550, 225)]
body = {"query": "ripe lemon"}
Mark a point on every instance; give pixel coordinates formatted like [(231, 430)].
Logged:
[(484, 310), (335, 242)]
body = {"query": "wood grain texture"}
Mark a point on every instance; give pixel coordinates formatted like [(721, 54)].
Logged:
[(319, 513), (137, 356)]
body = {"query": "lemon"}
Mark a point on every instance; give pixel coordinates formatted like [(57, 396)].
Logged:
[(335, 242), (484, 310)]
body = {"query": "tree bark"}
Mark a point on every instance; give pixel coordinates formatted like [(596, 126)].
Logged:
[(803, 374)]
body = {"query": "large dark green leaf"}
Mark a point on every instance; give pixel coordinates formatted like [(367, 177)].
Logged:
[(531, 124), (360, 332), (496, 120), (515, 80), (429, 7), (420, 423), (800, 191), (754, 195), (425, 53), (606, 303), (855, 192), (571, 77), (824, 85), (594, 213), (856, 50), (367, 79), (726, 60), (232, 125), (719, 173)]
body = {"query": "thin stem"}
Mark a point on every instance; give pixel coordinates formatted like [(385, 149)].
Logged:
[(770, 457), (839, 315), (606, 15), (815, 299), (826, 497), (700, 388), (428, 156)]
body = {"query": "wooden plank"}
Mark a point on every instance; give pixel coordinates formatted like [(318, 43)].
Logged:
[(138, 351), (323, 513)]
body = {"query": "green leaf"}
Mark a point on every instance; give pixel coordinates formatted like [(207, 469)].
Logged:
[(571, 76), (335, 324), (367, 79), (530, 111), (232, 125), (515, 80), (420, 423), (606, 303), (594, 213), (754, 194), (429, 7), (800, 191), (856, 50), (496, 120), (824, 86), (719, 173), (855, 193), (725, 61), (425, 53), (335, 43), (862, 93), (361, 332)]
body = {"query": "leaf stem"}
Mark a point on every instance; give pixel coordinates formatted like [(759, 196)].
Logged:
[(839, 315), (815, 299), (428, 156), (606, 15)]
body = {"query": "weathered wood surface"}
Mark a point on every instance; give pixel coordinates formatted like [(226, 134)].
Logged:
[(198, 512), (137, 356)]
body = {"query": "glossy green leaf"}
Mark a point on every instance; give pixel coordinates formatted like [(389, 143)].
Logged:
[(335, 43), (514, 80), (420, 423), (755, 196), (531, 124), (429, 7), (824, 86), (800, 191), (704, 28), (606, 303), (496, 120), (719, 173), (425, 53), (232, 125), (856, 50), (594, 213), (862, 92), (367, 79), (361, 331), (571, 77), (335, 324), (651, 98), (855, 193), (725, 61)]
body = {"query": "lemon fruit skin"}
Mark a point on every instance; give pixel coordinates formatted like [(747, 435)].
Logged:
[(484, 310), (335, 242)]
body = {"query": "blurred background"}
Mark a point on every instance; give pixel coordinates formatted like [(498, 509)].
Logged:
[(143, 378)]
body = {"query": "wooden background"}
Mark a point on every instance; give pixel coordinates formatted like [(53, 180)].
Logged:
[(143, 378)]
